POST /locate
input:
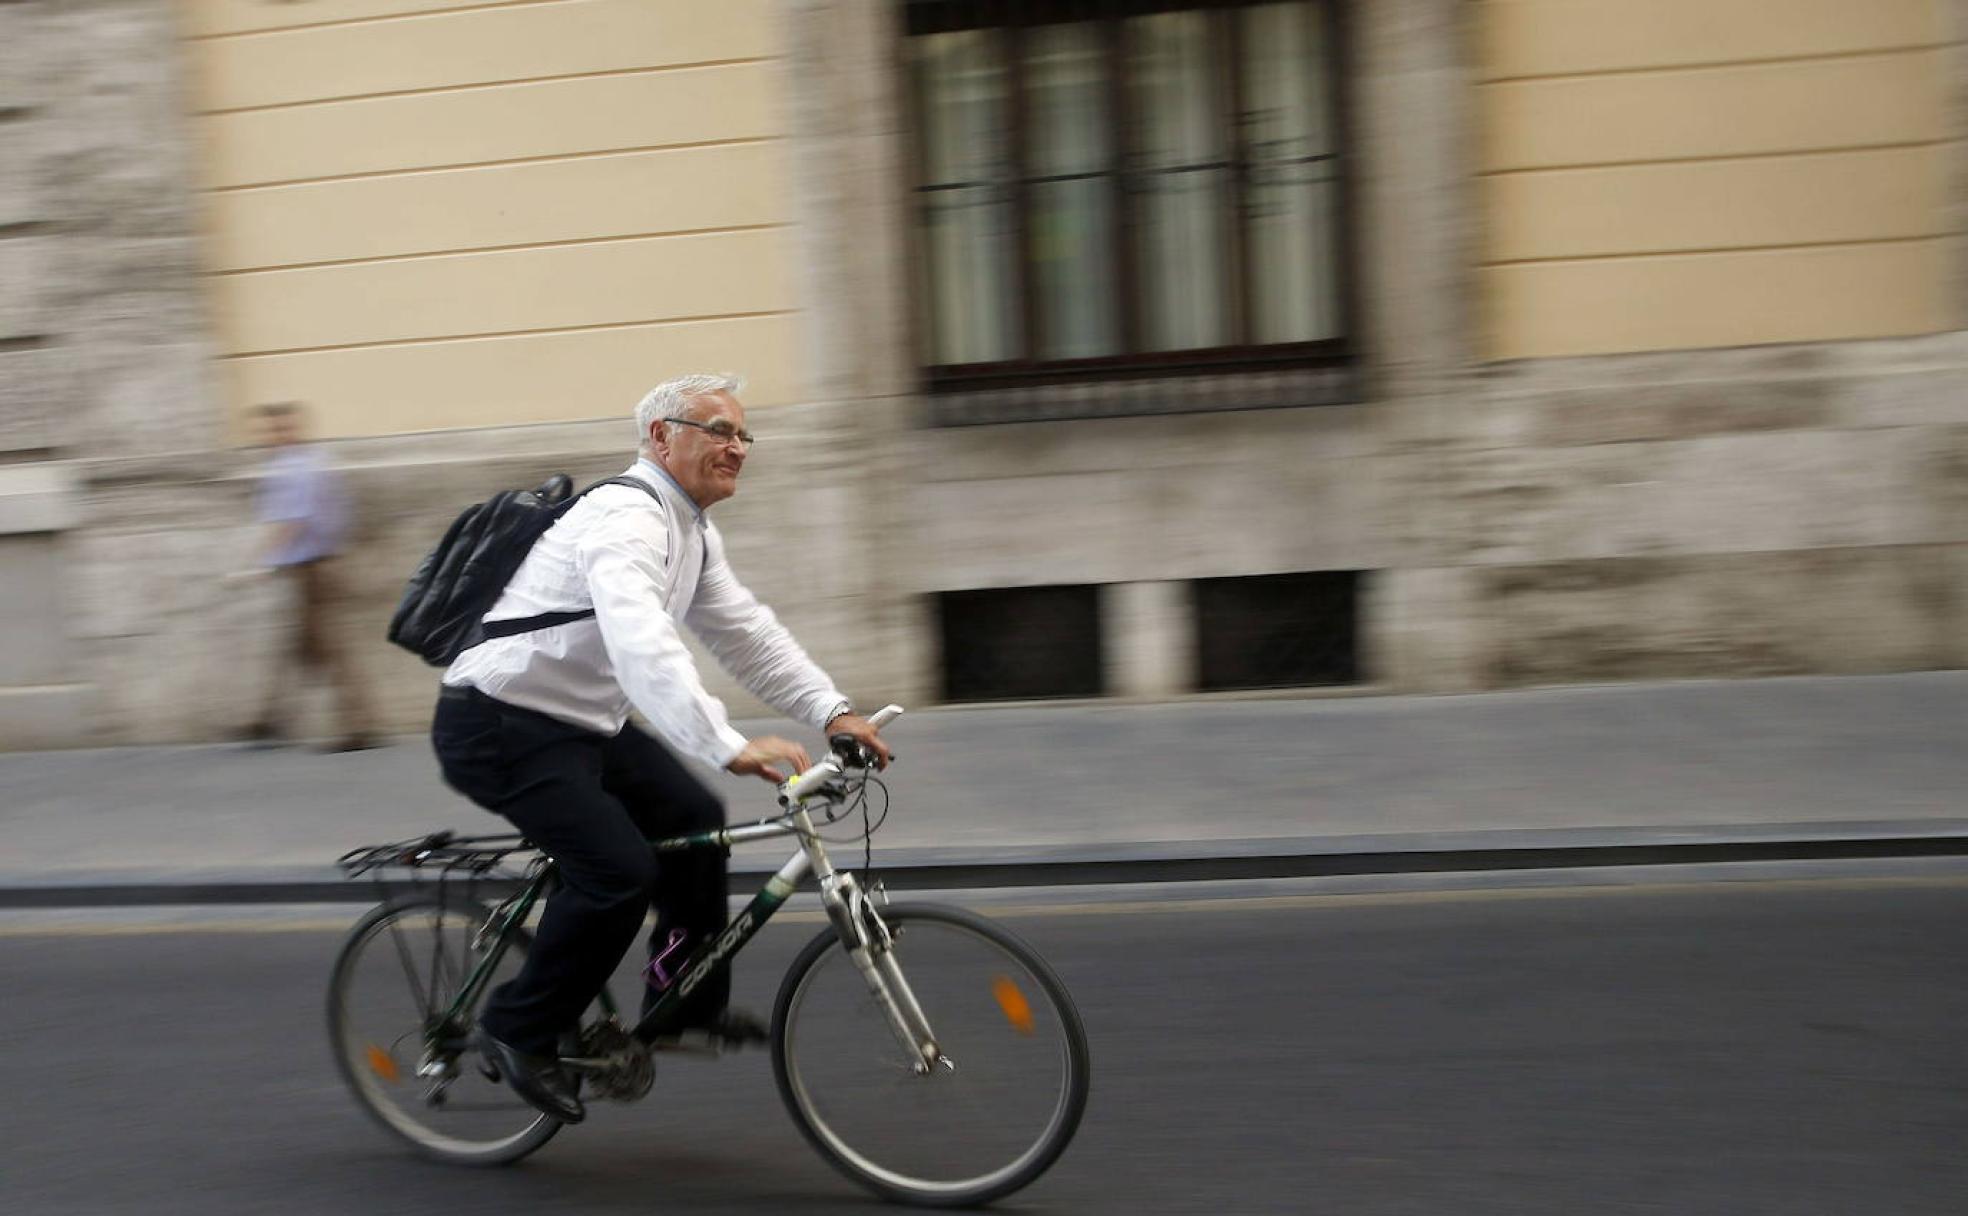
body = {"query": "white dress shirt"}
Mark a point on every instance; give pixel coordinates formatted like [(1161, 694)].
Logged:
[(645, 567)]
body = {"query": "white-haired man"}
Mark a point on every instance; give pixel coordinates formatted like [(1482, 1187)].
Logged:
[(533, 725)]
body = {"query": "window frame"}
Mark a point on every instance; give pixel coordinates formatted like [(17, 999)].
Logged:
[(1005, 390)]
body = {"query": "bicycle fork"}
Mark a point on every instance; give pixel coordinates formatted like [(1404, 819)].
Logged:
[(872, 949)]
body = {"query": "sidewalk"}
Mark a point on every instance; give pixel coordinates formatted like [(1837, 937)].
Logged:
[(1825, 759)]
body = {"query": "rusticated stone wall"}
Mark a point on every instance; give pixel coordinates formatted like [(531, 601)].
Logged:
[(103, 353), (1762, 511)]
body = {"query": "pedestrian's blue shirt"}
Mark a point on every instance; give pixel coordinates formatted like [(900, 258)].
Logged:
[(299, 487)]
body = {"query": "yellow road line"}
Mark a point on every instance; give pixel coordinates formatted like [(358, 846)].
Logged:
[(1181, 906)]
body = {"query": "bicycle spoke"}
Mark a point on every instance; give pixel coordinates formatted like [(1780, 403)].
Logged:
[(951, 1136), (424, 1009), (462, 1116), (437, 959)]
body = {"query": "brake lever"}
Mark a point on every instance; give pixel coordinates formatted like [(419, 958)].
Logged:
[(853, 752)]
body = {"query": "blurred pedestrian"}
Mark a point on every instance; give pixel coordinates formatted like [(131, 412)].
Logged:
[(304, 510)]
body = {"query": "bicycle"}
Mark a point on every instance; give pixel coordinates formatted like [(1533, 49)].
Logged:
[(955, 1085)]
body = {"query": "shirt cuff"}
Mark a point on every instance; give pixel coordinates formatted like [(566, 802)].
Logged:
[(842, 706), (729, 744)]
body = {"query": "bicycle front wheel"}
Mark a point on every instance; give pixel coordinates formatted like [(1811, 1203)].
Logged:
[(976, 1128), (408, 1063)]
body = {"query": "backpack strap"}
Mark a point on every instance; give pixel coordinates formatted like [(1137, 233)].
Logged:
[(546, 620)]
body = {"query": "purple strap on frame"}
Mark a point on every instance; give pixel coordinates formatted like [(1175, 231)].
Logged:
[(658, 973)]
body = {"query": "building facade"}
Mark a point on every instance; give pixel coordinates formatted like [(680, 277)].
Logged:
[(1098, 347)]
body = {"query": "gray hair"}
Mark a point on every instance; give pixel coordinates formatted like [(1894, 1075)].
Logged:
[(672, 397)]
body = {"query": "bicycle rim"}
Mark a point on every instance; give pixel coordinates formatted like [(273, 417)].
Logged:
[(961, 1135), (400, 969)]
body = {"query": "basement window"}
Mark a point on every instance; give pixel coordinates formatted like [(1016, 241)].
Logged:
[(1277, 630), (1020, 643)]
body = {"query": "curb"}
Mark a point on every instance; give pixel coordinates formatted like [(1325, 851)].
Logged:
[(1214, 861)]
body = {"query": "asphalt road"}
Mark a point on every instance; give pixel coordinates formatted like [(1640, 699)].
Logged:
[(1786, 1047)]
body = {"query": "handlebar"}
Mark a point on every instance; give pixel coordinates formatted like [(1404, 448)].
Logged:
[(834, 766)]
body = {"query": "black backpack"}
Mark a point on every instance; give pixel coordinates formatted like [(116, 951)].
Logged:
[(442, 614)]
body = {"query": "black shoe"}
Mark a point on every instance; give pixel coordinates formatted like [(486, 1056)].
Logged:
[(731, 1028), (538, 1079)]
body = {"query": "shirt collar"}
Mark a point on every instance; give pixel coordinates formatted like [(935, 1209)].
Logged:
[(662, 476)]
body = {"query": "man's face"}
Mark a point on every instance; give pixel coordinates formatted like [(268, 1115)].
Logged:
[(705, 466)]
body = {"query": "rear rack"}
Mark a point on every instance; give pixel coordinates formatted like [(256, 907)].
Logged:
[(445, 852)]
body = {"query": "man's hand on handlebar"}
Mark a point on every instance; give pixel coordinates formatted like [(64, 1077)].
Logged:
[(760, 755), (863, 732)]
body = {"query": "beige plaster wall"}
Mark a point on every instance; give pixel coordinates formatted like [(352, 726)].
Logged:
[(1682, 174), (422, 215)]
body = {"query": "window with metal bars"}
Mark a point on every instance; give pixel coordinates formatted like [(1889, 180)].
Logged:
[(1119, 189)]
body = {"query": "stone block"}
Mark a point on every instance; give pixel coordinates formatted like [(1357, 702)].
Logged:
[(28, 65), (142, 396), (39, 497), (853, 227), (1731, 493), (1874, 356), (27, 271), (1719, 616), (1091, 528), (1498, 505), (1779, 361), (120, 147), (44, 717), (1935, 492), (35, 647), (1175, 447), (1949, 568), (1121, 500), (1416, 194), (1790, 490), (1148, 635), (1624, 413), (20, 166), (1425, 630), (36, 393), (1926, 397)]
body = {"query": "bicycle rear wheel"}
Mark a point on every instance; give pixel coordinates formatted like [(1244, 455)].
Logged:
[(413, 1071), (989, 1123)]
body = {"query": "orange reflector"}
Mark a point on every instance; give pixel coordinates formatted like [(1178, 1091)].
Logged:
[(381, 1064), (1017, 1010)]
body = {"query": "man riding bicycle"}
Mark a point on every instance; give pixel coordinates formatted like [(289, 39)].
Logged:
[(534, 726)]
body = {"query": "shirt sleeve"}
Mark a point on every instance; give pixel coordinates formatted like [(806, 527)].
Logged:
[(621, 555), (754, 647)]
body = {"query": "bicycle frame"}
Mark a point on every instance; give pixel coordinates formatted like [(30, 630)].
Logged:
[(861, 931)]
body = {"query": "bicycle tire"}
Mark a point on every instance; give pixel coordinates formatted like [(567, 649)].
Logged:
[(373, 1070), (958, 964)]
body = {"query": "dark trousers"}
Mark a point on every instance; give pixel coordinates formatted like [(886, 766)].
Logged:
[(592, 803)]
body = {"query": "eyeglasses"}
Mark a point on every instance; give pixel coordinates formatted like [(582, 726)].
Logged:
[(720, 430)]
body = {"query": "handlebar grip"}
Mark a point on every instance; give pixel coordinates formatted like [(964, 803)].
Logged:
[(818, 775), (883, 716)]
